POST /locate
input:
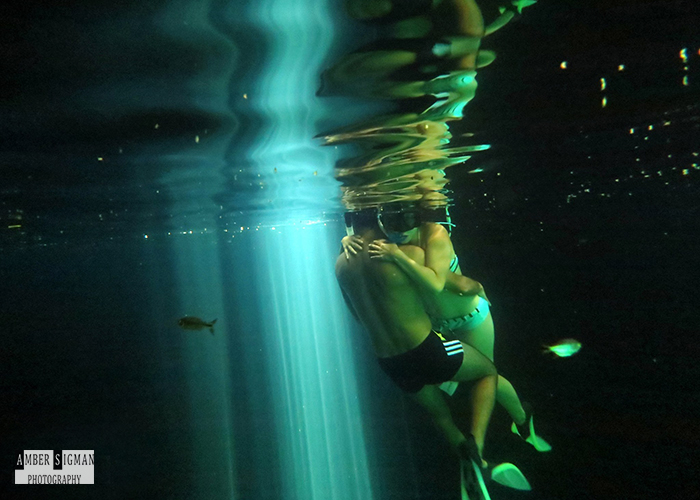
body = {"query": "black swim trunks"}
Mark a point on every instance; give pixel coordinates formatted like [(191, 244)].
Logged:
[(433, 362)]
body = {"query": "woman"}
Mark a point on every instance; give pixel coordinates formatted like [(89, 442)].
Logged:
[(457, 305)]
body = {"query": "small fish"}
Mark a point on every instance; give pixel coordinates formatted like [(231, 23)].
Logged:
[(192, 323), (563, 348)]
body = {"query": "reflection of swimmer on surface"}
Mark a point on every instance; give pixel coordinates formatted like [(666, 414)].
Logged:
[(426, 186), (415, 357), (457, 305), (401, 140), (396, 153), (441, 37), (401, 161), (431, 181)]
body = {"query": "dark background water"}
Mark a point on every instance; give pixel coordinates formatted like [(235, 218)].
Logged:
[(570, 234), (613, 266)]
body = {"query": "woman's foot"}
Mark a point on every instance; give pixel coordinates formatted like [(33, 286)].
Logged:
[(475, 477), (526, 431), (468, 450)]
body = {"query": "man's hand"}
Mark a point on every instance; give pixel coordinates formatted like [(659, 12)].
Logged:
[(351, 245), (382, 250)]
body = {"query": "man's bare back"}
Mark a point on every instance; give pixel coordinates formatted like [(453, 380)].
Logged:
[(384, 299)]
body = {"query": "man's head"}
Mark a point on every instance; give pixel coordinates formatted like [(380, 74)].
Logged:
[(361, 221), (398, 224)]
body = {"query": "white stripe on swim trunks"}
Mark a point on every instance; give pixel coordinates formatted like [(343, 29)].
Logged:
[(453, 347)]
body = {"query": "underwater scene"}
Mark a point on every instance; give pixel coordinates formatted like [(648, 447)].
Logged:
[(350, 249)]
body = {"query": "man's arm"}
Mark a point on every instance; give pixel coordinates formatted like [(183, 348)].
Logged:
[(438, 252), (428, 277)]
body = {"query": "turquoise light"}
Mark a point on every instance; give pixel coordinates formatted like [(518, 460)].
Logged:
[(308, 345)]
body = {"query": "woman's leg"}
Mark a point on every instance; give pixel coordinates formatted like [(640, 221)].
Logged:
[(479, 369), (482, 338)]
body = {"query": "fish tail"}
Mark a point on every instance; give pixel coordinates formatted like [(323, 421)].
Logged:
[(211, 330)]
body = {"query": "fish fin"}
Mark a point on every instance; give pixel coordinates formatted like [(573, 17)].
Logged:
[(211, 330)]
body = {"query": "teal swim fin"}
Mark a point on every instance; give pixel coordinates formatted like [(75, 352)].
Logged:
[(510, 476), (473, 486), (527, 432)]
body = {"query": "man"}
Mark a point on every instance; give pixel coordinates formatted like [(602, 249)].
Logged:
[(389, 306)]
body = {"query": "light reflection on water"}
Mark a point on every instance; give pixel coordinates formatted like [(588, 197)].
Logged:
[(425, 62)]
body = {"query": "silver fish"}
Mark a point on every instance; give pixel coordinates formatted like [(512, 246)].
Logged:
[(192, 323), (563, 348)]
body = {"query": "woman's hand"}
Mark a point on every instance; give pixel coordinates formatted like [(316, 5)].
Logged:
[(382, 250), (351, 245)]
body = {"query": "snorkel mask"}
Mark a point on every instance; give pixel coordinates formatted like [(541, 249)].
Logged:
[(397, 225)]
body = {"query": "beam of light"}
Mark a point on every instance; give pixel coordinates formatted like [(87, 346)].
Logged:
[(312, 375), (310, 367)]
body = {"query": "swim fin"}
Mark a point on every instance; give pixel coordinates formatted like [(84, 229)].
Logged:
[(510, 476), (527, 431), (473, 486)]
